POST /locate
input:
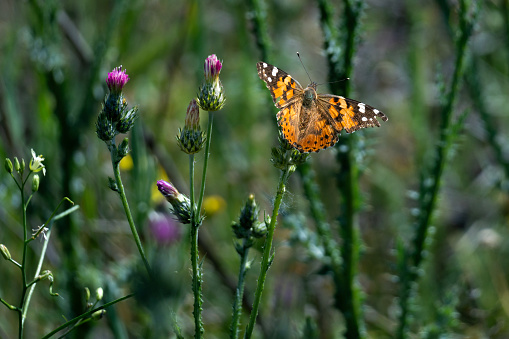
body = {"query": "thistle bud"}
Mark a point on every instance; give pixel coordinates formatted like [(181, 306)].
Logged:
[(5, 252), (123, 148), (35, 183), (115, 104), (191, 138), (127, 120), (248, 226), (211, 97), (180, 203), (8, 165), (104, 127), (112, 184)]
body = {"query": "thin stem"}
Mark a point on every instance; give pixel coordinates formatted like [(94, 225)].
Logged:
[(121, 192), (37, 271), (239, 293), (196, 283), (191, 187), (86, 314), (23, 261), (267, 257), (195, 225), (205, 162), (43, 251)]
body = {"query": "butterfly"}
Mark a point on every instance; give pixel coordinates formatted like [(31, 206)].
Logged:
[(310, 121)]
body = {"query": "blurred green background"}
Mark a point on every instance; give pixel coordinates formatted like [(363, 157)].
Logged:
[(54, 59)]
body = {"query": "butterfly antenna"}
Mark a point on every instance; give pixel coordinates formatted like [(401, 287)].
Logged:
[(333, 82), (298, 55)]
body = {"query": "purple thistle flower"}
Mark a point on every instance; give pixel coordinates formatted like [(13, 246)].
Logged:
[(167, 190), (164, 228), (211, 97), (180, 203), (212, 68), (117, 79)]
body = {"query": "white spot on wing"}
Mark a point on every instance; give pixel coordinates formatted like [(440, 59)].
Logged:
[(362, 107), (376, 111), (269, 78), (364, 119), (264, 65), (274, 71)]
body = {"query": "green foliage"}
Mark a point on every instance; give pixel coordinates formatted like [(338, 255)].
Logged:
[(399, 228)]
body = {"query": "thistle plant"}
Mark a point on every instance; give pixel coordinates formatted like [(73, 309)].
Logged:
[(115, 118), (21, 176), (286, 159), (247, 229), (191, 140)]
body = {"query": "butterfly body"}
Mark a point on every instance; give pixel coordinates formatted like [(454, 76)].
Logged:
[(311, 121)]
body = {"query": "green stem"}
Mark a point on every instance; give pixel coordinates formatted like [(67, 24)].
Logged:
[(267, 257), (239, 293), (205, 162), (23, 262), (44, 248), (346, 294), (121, 192), (191, 187), (413, 259), (195, 225), (84, 315), (196, 283)]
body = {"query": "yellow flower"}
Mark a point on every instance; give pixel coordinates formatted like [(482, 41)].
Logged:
[(213, 204), (126, 164)]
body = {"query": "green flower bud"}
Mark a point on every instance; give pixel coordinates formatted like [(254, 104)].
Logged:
[(87, 294), (191, 138), (211, 97), (17, 166), (99, 294), (8, 165), (105, 129), (5, 252), (127, 120), (248, 226), (98, 314), (190, 141), (123, 148), (35, 183), (180, 203), (112, 184)]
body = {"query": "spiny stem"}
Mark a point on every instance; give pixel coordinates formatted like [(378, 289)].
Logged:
[(266, 259), (239, 293), (196, 283)]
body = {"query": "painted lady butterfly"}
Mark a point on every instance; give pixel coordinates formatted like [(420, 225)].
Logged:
[(310, 121)]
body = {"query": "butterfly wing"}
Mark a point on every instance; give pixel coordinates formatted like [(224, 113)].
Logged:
[(349, 114), (287, 94), (283, 88)]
